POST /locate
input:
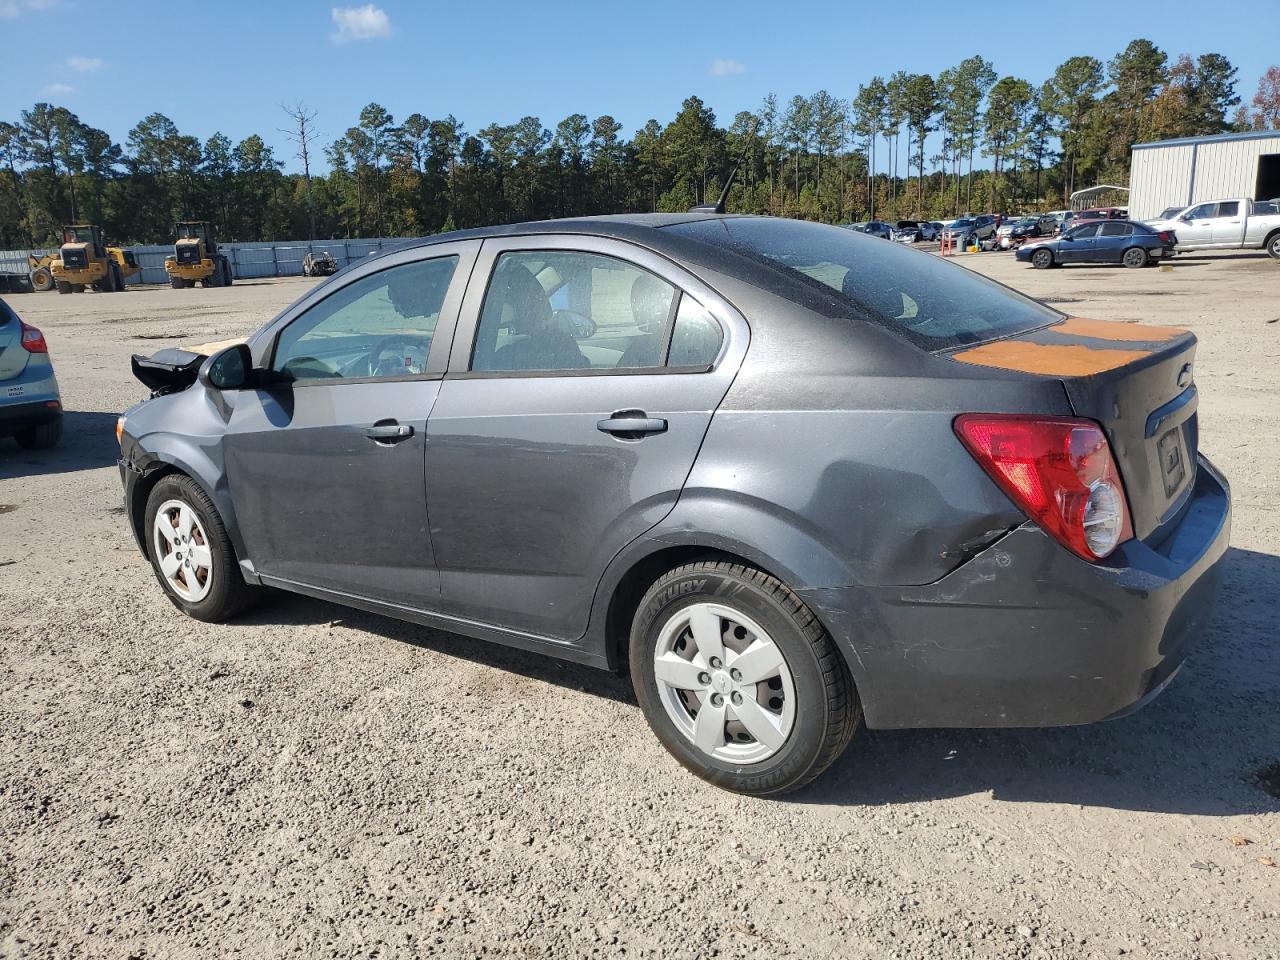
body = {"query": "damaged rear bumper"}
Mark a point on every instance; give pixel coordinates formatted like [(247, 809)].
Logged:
[(1028, 634)]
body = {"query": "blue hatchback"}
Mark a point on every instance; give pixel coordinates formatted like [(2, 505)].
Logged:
[(30, 406), (1101, 241)]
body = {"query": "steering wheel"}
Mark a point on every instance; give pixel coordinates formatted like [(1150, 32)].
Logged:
[(577, 325), (407, 347)]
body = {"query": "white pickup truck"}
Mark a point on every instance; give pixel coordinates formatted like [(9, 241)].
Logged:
[(1238, 224)]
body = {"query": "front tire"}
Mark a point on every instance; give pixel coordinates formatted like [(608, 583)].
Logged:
[(191, 553), (739, 680), (1042, 259)]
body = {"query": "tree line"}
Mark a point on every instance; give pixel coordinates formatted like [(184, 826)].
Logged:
[(975, 141)]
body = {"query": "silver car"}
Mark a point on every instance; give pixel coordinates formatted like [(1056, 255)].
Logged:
[(30, 404)]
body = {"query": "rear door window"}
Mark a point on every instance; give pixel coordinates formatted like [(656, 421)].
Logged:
[(1116, 228), (562, 310), (1229, 208), (924, 299)]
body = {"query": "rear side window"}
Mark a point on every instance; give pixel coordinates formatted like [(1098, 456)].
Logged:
[(563, 310), (1116, 228), (1229, 208), (934, 304)]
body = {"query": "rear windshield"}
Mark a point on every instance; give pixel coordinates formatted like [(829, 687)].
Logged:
[(934, 304)]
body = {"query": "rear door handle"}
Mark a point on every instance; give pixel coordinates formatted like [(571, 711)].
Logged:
[(384, 432), (631, 424)]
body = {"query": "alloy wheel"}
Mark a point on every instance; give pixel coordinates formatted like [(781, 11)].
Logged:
[(724, 683), (182, 551)]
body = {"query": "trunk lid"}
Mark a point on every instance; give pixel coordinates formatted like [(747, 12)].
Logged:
[(1137, 381), (13, 356)]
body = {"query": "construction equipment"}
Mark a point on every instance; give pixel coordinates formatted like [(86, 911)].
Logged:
[(196, 258), (83, 260)]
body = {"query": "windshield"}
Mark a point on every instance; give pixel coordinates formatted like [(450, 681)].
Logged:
[(961, 223), (191, 231), (77, 235), (935, 304)]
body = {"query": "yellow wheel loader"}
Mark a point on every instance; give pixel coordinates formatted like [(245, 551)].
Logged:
[(196, 258), (83, 260)]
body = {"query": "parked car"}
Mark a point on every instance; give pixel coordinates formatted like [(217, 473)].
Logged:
[(930, 229), (1017, 232), (878, 228), (1237, 224), (1168, 213), (908, 231), (319, 264), (1100, 213), (753, 460), (30, 403), (1101, 241)]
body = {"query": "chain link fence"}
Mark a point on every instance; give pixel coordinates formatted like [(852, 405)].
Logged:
[(248, 260)]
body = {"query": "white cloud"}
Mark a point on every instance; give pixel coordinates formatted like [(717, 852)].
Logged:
[(726, 68), (360, 23), (84, 64), (57, 90), (9, 9)]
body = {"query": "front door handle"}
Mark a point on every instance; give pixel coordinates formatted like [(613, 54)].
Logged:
[(389, 432), (631, 424)]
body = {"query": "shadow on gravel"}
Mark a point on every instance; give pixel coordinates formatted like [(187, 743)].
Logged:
[(279, 608), (1196, 750), (88, 442)]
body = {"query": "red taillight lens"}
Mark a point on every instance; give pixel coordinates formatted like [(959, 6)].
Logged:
[(1059, 471), (1166, 236), (33, 339)]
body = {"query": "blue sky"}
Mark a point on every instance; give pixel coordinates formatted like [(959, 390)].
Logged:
[(501, 60)]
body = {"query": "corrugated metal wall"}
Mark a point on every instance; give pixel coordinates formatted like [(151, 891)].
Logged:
[(1229, 168), (1159, 178), (282, 259), (1183, 174)]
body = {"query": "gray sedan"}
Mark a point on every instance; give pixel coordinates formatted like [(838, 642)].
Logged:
[(791, 478)]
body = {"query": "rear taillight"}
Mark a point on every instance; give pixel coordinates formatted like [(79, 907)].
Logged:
[(1059, 471), (1166, 236), (33, 339)]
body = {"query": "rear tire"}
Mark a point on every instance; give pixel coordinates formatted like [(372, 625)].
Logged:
[(1042, 259), (41, 280), (188, 284), (1135, 257), (63, 286), (206, 547), (176, 283), (40, 437), (794, 687), (227, 278), (77, 288)]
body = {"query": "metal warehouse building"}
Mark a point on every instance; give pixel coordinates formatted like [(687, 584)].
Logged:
[(1173, 173)]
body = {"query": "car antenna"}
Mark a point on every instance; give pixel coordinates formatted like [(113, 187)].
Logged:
[(718, 206)]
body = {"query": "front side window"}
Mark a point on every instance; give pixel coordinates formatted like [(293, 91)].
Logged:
[(1201, 212), (569, 310), (1085, 232), (376, 327)]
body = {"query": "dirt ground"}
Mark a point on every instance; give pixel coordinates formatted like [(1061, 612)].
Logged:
[(318, 782)]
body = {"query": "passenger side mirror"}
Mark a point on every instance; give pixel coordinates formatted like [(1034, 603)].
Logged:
[(228, 369)]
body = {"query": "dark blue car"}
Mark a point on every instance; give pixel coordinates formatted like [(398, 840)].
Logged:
[(1102, 241)]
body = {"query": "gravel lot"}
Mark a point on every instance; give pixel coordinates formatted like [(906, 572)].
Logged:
[(319, 782)]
